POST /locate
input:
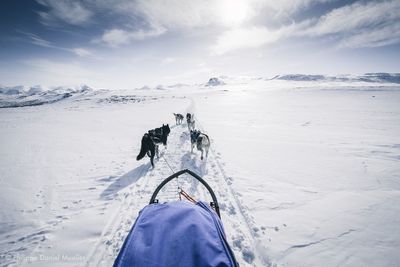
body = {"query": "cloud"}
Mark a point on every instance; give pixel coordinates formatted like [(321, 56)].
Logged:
[(183, 14), (237, 24), (171, 14), (139, 20), (283, 10), (384, 36), (369, 24), (82, 52), (244, 38), (117, 37), (252, 37), (36, 40), (66, 11)]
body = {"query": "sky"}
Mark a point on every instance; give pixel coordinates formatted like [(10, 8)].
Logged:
[(121, 44)]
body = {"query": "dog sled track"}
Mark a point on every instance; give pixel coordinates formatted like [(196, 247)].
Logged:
[(239, 226), (241, 233), (132, 199), (237, 221), (113, 234)]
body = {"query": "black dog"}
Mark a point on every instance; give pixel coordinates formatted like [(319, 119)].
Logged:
[(151, 140)]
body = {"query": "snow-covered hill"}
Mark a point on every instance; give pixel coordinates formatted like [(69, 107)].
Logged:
[(19, 96), (368, 77), (215, 82)]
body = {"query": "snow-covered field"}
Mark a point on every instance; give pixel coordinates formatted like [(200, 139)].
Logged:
[(307, 171)]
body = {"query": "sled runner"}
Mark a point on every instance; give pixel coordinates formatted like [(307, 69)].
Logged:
[(178, 233)]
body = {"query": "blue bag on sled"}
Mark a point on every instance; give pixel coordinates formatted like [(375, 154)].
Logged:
[(178, 233)]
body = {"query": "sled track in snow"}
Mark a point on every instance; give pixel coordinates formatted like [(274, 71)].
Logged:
[(237, 222), (124, 216), (234, 215)]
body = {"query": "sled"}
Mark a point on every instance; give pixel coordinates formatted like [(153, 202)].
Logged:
[(178, 233)]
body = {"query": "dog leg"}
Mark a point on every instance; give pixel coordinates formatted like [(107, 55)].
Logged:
[(157, 151), (152, 161), (152, 152)]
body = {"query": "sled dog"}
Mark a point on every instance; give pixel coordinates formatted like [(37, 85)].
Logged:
[(151, 140), (178, 118), (190, 121), (201, 141)]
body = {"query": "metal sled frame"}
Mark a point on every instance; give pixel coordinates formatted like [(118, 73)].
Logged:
[(213, 204)]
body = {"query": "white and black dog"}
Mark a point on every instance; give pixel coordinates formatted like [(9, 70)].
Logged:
[(178, 118), (201, 141), (151, 140), (190, 121)]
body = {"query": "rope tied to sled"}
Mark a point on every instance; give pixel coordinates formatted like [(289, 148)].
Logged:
[(186, 195), (181, 192), (169, 166), (177, 179)]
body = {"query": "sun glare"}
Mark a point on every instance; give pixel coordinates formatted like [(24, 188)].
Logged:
[(233, 12)]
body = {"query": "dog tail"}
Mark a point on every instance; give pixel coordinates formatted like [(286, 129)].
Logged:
[(144, 148)]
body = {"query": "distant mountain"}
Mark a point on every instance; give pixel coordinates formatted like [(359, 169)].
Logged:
[(381, 77), (367, 77), (144, 87), (15, 90), (178, 85), (215, 82), (300, 77), (19, 96)]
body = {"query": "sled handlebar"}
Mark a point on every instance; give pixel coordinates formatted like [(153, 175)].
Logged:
[(213, 204)]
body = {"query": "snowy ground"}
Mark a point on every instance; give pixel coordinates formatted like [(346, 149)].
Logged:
[(307, 173)]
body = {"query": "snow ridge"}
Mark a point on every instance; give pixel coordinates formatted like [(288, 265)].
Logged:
[(20, 96), (380, 77)]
